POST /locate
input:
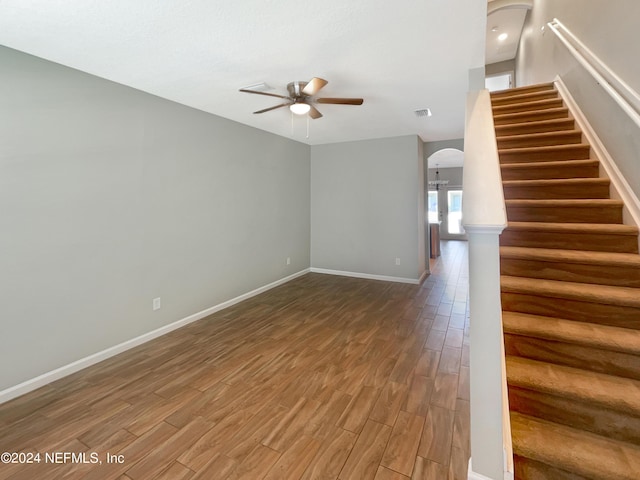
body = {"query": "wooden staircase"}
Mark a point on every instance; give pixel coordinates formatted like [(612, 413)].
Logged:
[(570, 283)]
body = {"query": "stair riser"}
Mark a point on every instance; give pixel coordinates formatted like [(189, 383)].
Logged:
[(578, 152), (526, 468), (592, 214), (592, 418), (522, 90), (572, 355), (575, 241), (575, 191), (527, 106), (533, 127), (571, 272), (549, 114), (540, 172), (539, 141), (524, 97), (600, 313)]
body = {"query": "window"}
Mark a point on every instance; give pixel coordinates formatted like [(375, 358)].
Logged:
[(433, 206), (454, 217), (498, 82)]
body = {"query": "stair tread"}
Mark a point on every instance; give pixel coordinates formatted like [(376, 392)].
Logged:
[(603, 337), (573, 450), (554, 164), (523, 116), (535, 103), (608, 228), (545, 148), (564, 202), (572, 256), (537, 123), (542, 86), (526, 95), (555, 181), (584, 292), (609, 391), (539, 135)]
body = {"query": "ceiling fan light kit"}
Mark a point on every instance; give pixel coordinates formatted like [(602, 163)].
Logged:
[(302, 97), (300, 108)]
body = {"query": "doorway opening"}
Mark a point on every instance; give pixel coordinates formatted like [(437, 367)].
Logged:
[(501, 81), (444, 195)]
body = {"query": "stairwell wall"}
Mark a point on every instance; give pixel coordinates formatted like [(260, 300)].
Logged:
[(609, 30)]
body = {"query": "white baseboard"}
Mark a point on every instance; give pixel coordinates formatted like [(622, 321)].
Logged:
[(44, 379), (471, 475), (620, 187), (476, 476), (368, 276)]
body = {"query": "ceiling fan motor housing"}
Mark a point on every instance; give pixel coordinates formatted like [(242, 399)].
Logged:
[(295, 90)]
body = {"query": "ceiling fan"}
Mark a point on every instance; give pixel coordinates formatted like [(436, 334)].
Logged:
[(302, 96)]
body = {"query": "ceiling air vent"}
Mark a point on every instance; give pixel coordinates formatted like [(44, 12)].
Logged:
[(423, 112), (258, 87)]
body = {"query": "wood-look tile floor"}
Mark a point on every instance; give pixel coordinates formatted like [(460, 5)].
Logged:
[(325, 377)]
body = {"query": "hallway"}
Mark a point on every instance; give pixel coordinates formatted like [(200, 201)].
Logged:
[(324, 377)]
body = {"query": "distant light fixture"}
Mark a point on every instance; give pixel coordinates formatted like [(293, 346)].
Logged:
[(502, 37), (299, 108), (437, 182), (494, 29)]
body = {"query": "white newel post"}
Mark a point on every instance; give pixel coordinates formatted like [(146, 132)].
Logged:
[(486, 360)]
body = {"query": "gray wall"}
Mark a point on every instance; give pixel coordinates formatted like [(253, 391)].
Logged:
[(432, 147), (110, 197), (365, 207), (423, 233), (609, 29), (500, 67)]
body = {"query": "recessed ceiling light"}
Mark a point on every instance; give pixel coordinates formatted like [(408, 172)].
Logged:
[(502, 37), (494, 29)]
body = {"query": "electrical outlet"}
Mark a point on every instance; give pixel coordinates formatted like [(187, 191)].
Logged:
[(397, 261), (288, 260), (156, 303)]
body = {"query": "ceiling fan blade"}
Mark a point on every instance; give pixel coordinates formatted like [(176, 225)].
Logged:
[(314, 86), (314, 112), (340, 101), (273, 108), (262, 93)]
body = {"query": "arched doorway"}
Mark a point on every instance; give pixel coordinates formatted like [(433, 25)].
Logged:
[(444, 192)]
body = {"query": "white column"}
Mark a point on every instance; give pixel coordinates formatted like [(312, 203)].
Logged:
[(486, 361)]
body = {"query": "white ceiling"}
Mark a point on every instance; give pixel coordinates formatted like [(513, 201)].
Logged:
[(398, 56), (509, 21)]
